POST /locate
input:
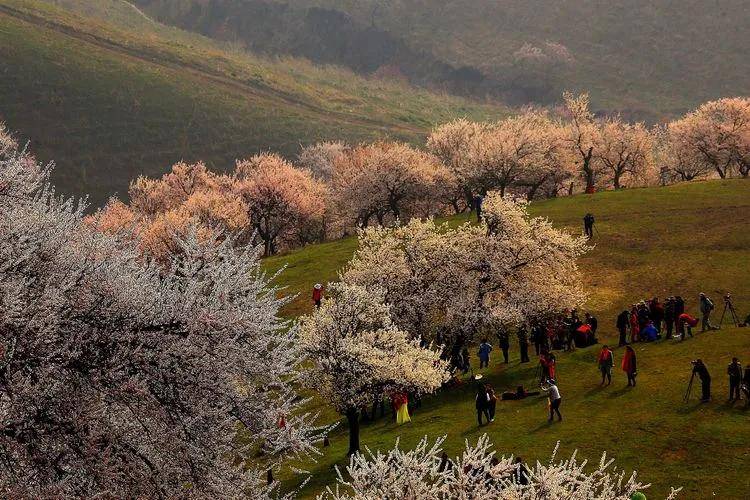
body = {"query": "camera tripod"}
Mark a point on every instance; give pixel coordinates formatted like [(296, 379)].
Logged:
[(689, 388), (728, 306)]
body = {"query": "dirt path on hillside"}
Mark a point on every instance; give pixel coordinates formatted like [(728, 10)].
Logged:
[(246, 88)]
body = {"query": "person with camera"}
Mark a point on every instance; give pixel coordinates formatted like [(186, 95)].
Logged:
[(734, 370), (554, 399), (700, 369), (706, 306)]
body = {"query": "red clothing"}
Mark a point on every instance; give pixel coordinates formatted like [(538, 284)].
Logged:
[(317, 294), (686, 318), (628, 361), (548, 365), (584, 329), (604, 355), (635, 329)]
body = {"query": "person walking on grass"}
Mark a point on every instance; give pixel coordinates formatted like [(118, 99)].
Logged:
[(484, 353), (482, 403), (622, 326), (734, 370), (553, 393), (629, 365), (706, 306), (606, 362)]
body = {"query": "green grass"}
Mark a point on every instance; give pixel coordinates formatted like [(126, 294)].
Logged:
[(681, 239), (109, 95)]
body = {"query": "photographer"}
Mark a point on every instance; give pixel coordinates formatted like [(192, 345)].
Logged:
[(701, 370)]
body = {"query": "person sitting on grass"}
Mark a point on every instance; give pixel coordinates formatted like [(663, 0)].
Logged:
[(606, 362), (649, 333), (520, 393)]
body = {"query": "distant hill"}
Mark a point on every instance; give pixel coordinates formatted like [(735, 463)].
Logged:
[(648, 59), (110, 94)]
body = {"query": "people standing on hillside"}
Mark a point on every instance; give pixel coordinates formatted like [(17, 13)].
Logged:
[(701, 370), (644, 316), (679, 308), (656, 311), (606, 362), (400, 404), (553, 393), (588, 225), (706, 306), (592, 322), (482, 403), (523, 343), (484, 353), (503, 341), (317, 295), (634, 328), (629, 365), (547, 363), (539, 337), (669, 316), (734, 370), (622, 326)]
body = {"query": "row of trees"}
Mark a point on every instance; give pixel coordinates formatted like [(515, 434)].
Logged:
[(334, 188)]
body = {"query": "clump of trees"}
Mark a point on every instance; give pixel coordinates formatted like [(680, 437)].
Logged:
[(121, 378), (445, 284)]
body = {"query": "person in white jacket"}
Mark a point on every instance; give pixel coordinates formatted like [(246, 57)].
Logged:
[(554, 399)]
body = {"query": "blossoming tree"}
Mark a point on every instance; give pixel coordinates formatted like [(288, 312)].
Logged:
[(511, 268), (424, 472), (122, 378), (357, 351)]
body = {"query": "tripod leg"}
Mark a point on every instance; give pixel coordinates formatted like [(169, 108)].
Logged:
[(721, 320), (689, 387)]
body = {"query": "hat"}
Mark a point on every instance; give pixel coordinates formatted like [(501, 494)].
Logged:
[(318, 286)]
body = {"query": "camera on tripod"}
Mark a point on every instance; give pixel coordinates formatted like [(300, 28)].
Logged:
[(728, 306)]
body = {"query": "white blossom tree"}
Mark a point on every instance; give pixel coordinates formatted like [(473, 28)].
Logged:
[(478, 474), (126, 379), (583, 138), (626, 151), (357, 352), (511, 268)]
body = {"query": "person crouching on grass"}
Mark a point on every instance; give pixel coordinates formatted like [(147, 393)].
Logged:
[(553, 393)]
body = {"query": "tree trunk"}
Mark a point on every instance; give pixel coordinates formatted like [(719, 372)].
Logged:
[(616, 180), (352, 417)]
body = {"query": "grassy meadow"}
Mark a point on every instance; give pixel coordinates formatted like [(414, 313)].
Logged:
[(681, 239)]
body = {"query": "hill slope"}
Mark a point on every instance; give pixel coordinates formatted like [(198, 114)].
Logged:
[(657, 241), (645, 58), (109, 94)]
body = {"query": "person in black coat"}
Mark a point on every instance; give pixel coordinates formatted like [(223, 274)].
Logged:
[(669, 317), (623, 319), (734, 370), (482, 403), (701, 370), (523, 343), (504, 343)]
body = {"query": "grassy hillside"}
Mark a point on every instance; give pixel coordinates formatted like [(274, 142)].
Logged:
[(681, 239), (109, 94), (648, 59)]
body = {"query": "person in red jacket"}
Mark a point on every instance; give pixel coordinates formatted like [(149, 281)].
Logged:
[(629, 365), (686, 322), (317, 295)]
